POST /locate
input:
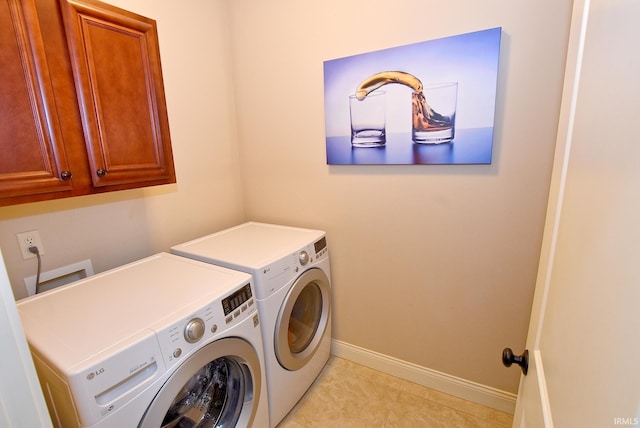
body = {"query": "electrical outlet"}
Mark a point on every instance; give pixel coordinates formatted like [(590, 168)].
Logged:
[(29, 239)]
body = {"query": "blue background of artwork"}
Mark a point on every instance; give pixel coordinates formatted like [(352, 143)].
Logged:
[(470, 59)]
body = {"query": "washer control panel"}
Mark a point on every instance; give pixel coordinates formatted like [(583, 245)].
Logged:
[(203, 325), (237, 299), (194, 330)]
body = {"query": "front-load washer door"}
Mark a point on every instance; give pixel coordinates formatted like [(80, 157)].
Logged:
[(218, 386), (303, 319)]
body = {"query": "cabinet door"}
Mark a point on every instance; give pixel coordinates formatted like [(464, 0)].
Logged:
[(118, 77), (32, 158)]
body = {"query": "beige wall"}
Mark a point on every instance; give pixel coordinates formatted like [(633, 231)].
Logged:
[(434, 265), (115, 228)]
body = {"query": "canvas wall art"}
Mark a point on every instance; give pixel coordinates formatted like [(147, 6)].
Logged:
[(426, 103)]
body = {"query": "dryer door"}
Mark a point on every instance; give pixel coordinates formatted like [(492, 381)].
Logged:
[(303, 319), (218, 386)]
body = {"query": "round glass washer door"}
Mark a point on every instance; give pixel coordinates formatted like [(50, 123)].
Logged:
[(303, 319), (218, 386)]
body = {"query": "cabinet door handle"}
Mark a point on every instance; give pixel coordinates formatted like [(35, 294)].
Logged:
[(66, 175), (101, 172)]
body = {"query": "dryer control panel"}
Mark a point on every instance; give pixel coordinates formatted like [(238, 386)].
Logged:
[(320, 247), (279, 274)]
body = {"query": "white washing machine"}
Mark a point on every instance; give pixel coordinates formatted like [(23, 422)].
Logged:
[(162, 342), (293, 289)]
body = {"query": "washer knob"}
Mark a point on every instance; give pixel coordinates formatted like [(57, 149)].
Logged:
[(194, 330), (303, 258)]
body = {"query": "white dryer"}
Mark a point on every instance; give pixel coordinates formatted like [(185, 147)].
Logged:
[(293, 289), (162, 342)]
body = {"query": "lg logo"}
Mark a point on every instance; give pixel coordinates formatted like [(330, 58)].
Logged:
[(94, 374)]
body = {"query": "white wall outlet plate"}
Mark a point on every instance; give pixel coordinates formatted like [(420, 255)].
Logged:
[(29, 239)]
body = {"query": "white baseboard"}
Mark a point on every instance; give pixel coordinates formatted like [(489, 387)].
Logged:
[(461, 388)]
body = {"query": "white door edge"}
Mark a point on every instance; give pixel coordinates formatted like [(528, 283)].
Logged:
[(21, 399), (534, 385)]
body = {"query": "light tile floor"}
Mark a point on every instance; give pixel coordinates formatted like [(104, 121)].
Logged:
[(353, 396)]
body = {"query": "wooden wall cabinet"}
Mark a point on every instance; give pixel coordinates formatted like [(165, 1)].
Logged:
[(32, 153), (82, 104)]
